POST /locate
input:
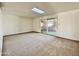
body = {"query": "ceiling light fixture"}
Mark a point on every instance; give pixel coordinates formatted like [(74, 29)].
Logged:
[(38, 10)]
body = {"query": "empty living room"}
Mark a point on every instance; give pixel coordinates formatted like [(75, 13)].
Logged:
[(39, 29)]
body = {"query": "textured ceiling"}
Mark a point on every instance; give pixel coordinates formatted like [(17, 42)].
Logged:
[(24, 8)]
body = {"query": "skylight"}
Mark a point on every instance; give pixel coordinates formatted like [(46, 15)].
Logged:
[(38, 10)]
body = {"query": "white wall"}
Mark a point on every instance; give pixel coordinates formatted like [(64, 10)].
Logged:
[(67, 24), (36, 25), (15, 24), (1, 35)]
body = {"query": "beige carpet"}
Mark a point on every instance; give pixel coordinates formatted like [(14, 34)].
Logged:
[(36, 44)]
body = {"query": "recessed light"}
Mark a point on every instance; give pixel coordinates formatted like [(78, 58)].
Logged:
[(38, 10)]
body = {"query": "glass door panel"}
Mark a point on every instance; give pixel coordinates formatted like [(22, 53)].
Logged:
[(49, 26)]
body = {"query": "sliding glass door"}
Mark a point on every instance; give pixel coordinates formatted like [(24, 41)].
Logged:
[(49, 25)]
